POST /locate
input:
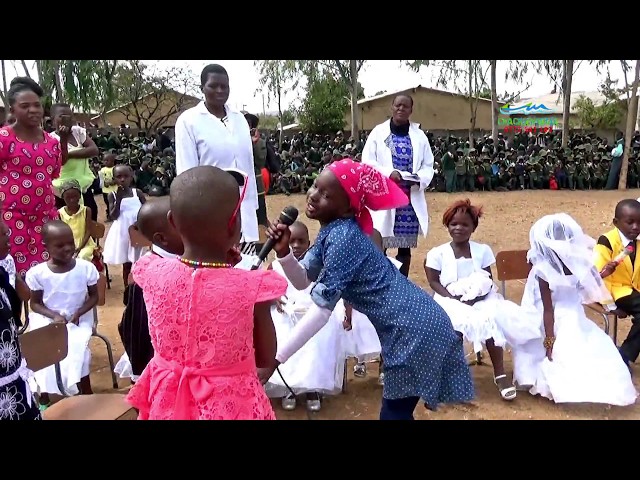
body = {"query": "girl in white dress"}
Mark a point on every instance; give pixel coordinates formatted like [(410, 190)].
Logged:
[(572, 359), (124, 205), (318, 367), (64, 289), (459, 272)]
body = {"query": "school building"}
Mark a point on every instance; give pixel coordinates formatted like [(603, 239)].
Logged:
[(435, 110), (154, 110)]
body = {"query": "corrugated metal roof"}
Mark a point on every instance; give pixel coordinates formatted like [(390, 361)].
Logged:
[(383, 95)]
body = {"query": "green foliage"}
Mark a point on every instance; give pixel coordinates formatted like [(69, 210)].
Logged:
[(609, 114), (324, 106)]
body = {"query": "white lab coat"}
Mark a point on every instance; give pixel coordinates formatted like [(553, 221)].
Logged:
[(202, 139), (377, 154)]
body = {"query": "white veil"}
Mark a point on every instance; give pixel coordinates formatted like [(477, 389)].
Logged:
[(558, 242)]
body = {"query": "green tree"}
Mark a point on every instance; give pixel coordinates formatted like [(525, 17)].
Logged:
[(324, 105), (343, 71), (604, 115)]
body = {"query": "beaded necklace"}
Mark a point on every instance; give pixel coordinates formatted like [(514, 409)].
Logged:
[(197, 264)]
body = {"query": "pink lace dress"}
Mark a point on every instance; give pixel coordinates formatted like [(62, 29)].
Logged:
[(201, 327)]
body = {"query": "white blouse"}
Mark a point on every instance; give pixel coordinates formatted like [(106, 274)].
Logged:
[(203, 139)]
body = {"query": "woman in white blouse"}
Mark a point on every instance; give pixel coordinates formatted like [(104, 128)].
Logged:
[(211, 133), (401, 151)]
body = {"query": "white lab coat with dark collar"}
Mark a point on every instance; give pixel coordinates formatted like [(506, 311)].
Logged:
[(202, 139), (377, 154)]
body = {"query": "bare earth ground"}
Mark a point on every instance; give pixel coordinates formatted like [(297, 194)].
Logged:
[(508, 218)]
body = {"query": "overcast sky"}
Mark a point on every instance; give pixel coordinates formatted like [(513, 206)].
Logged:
[(376, 75)]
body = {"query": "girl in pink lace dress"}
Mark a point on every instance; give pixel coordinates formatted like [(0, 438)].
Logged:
[(210, 325), (30, 159)]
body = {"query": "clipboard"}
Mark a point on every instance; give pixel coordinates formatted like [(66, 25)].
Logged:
[(410, 177)]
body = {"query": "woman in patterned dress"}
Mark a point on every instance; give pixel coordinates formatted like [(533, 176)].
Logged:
[(30, 159), (398, 148)]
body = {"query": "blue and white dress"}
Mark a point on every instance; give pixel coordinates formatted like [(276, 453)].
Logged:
[(406, 226), (422, 353)]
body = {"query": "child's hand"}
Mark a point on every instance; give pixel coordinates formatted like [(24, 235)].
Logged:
[(234, 256), (280, 303), (75, 319), (282, 234), (59, 319), (549, 352), (608, 269)]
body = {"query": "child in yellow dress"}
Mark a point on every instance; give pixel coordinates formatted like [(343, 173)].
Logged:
[(77, 217)]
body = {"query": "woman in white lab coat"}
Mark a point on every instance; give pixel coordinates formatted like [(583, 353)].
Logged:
[(211, 133), (401, 151)]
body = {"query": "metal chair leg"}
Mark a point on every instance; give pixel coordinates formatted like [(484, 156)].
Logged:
[(478, 361), (106, 271), (112, 365), (344, 377)]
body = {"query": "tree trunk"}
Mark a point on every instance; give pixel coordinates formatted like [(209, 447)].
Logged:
[(280, 119), (26, 70), (494, 103), (566, 100), (353, 72), (471, 122), (56, 76), (4, 87), (632, 112)]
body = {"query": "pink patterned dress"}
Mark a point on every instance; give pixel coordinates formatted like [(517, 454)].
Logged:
[(26, 172), (201, 327)]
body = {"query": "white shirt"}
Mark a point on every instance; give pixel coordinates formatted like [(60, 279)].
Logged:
[(203, 139)]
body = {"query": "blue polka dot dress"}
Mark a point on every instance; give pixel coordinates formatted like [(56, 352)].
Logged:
[(423, 355)]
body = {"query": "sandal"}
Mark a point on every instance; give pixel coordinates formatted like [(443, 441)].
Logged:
[(509, 393)]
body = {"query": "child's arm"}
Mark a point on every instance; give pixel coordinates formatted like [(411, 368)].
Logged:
[(89, 303), (22, 289), (264, 334), (433, 277), (37, 306), (87, 230), (547, 317), (114, 204), (347, 322), (141, 196)]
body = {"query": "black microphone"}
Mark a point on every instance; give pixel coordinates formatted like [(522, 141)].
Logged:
[(287, 217)]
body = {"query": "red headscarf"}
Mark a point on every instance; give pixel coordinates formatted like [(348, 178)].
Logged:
[(367, 189)]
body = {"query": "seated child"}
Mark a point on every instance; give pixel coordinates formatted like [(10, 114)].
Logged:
[(77, 217), (459, 272), (64, 289), (318, 367), (572, 360), (134, 328), (620, 279), (210, 324)]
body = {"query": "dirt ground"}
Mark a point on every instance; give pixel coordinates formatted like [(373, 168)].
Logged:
[(508, 218)]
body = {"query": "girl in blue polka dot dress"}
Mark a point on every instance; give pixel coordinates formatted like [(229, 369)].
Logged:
[(424, 357)]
